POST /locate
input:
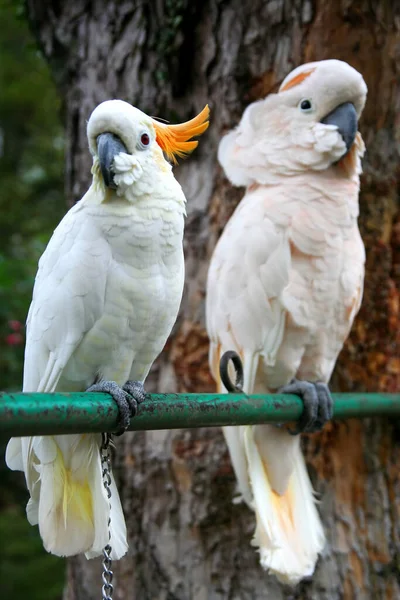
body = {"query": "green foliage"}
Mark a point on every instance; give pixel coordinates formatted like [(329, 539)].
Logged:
[(25, 571), (31, 175), (31, 205)]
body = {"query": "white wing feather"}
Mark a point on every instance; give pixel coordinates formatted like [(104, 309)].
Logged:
[(248, 273), (63, 473), (68, 299)]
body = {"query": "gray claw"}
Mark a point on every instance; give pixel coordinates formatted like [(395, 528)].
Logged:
[(136, 390), (318, 404), (326, 403), (136, 395), (121, 398)]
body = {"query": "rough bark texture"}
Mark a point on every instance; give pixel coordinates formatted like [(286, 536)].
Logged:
[(170, 57)]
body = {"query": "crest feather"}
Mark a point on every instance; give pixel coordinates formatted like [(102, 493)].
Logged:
[(297, 79), (174, 140)]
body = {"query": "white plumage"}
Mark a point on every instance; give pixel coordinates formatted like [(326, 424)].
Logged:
[(106, 296), (284, 284)]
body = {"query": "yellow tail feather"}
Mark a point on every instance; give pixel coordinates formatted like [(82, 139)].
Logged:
[(77, 501)]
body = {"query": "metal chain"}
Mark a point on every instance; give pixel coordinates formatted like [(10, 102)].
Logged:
[(107, 575)]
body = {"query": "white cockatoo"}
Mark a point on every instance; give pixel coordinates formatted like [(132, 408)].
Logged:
[(284, 285), (106, 297)]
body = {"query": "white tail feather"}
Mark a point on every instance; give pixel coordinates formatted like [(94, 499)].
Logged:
[(118, 540), (68, 500), (234, 439), (14, 455), (234, 436), (273, 480), (289, 532)]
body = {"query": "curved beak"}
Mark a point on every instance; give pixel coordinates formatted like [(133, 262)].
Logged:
[(345, 118), (108, 146)]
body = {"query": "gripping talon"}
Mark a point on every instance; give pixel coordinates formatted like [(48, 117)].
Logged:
[(326, 407), (136, 395), (317, 401), (136, 390), (122, 400)]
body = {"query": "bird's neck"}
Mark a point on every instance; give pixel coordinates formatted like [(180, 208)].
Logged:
[(153, 191)]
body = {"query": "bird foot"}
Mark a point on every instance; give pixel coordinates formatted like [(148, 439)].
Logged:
[(136, 390), (317, 401), (126, 398)]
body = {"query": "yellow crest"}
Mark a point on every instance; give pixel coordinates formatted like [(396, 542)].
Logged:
[(174, 140)]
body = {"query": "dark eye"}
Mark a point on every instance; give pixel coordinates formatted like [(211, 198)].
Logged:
[(305, 104), (145, 139)]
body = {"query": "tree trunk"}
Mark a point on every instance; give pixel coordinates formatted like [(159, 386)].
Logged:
[(187, 540)]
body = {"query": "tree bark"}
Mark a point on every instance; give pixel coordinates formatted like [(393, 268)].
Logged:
[(169, 57)]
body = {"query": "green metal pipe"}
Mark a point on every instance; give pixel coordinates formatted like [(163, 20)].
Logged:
[(49, 414)]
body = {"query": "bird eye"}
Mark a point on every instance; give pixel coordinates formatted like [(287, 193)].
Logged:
[(145, 139), (306, 105)]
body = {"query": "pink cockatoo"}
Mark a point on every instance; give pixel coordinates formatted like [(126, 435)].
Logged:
[(284, 285)]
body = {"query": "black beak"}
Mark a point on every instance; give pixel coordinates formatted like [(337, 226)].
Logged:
[(345, 118), (108, 146)]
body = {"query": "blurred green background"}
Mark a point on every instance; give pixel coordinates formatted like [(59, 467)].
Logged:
[(31, 205)]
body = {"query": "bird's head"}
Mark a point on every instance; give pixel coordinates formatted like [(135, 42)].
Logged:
[(129, 147), (311, 124)]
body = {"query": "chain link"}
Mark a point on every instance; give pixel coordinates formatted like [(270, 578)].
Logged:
[(107, 575)]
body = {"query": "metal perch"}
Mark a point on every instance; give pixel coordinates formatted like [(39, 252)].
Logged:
[(47, 414), (84, 412)]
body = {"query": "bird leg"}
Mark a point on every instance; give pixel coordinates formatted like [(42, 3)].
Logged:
[(126, 398), (317, 401)]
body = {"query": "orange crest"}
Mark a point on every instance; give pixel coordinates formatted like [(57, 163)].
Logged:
[(297, 79), (174, 140)]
